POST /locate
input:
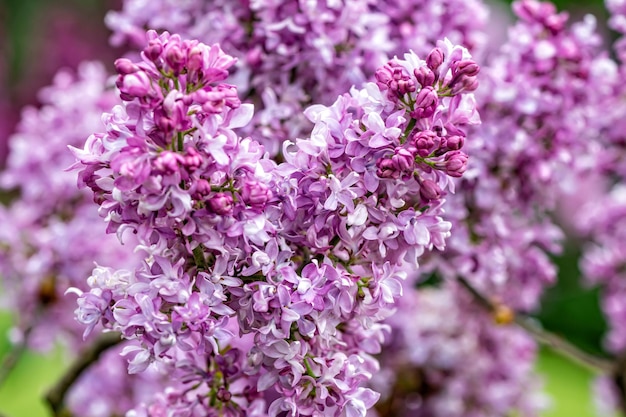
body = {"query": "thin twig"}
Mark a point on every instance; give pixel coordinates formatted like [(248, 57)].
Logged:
[(564, 347), (56, 396), (558, 344), (12, 358)]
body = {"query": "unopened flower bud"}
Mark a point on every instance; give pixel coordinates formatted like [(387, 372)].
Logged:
[(192, 159), (165, 124), (435, 59), (464, 76), (223, 394), (393, 77), (403, 160), (429, 190), (386, 168), (153, 50), (124, 66), (195, 58), (424, 76), (425, 103), (468, 68), (221, 203), (455, 163), (175, 57), (201, 188), (426, 142), (254, 57), (255, 194), (454, 143), (136, 84), (168, 162)]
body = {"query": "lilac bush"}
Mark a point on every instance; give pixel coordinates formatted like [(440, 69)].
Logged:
[(267, 189)]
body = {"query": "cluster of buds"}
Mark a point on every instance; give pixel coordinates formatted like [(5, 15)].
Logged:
[(429, 92)]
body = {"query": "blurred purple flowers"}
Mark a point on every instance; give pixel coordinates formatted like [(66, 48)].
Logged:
[(283, 176)]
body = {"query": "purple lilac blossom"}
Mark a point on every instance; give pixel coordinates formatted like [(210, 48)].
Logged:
[(303, 258), (604, 260), (601, 218), (418, 24), (294, 53), (454, 361), (537, 111), (52, 234), (117, 392)]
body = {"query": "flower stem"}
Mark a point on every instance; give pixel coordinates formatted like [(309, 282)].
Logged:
[(12, 358), (408, 130), (56, 396), (557, 343)]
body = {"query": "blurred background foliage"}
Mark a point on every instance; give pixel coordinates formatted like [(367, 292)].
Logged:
[(39, 36)]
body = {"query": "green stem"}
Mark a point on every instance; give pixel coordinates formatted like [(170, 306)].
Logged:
[(408, 130), (10, 361), (558, 344), (13, 356), (198, 258), (56, 396), (180, 141)]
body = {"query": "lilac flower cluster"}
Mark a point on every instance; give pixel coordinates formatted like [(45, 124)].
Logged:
[(51, 234), (604, 260), (293, 54), (426, 371), (305, 255), (418, 24), (117, 392), (537, 113)]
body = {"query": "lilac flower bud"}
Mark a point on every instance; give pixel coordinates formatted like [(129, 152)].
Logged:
[(466, 85), (429, 190), (201, 188), (175, 57), (254, 57), (464, 76), (470, 84), (137, 84), (403, 160), (468, 68), (424, 76), (386, 168), (542, 12), (455, 163), (555, 23), (256, 194), (454, 143), (223, 394), (435, 59), (165, 124), (168, 162), (426, 142), (192, 160), (221, 203), (425, 103), (153, 50), (124, 66), (195, 58), (384, 75), (393, 77)]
